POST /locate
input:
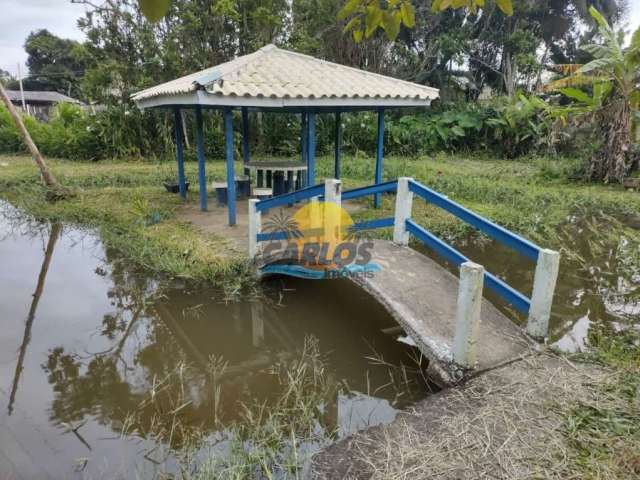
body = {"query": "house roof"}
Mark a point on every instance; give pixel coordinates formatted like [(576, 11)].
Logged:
[(275, 78), (40, 97)]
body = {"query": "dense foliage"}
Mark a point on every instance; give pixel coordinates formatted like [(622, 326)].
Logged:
[(493, 50), (505, 127)]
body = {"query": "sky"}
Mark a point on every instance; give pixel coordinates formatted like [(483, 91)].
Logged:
[(60, 17)]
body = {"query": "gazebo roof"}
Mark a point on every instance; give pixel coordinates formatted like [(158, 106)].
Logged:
[(273, 78)]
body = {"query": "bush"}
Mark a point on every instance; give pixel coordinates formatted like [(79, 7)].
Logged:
[(504, 127)]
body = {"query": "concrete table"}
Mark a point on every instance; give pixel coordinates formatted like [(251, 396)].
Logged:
[(266, 173)]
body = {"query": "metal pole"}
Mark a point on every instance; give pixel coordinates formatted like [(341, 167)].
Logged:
[(311, 149), (202, 177), (338, 144), (379, 155), (180, 152), (245, 139), (231, 177)]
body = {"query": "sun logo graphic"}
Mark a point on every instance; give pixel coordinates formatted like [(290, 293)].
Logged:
[(321, 241)]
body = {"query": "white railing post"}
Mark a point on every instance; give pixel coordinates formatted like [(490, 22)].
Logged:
[(255, 227), (333, 191), (544, 284), (468, 314), (332, 194), (404, 202)]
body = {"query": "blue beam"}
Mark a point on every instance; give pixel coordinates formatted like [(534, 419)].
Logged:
[(311, 149), (180, 152), (245, 138), (509, 294), (303, 137), (502, 235), (287, 198), (202, 176), (231, 178), (372, 224), (379, 154), (390, 186), (338, 145)]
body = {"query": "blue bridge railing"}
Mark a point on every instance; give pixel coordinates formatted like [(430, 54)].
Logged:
[(404, 225)]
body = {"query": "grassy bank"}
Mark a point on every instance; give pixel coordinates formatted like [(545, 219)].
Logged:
[(126, 202), (596, 432)]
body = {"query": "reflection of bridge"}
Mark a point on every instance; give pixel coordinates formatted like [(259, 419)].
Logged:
[(446, 316)]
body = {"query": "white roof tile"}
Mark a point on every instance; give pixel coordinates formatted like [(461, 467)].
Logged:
[(280, 75)]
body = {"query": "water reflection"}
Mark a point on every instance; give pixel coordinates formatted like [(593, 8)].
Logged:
[(599, 279), (53, 238), (110, 359)]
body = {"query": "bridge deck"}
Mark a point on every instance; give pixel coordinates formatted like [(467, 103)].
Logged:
[(422, 296)]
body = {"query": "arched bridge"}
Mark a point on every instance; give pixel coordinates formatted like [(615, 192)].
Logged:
[(447, 317)]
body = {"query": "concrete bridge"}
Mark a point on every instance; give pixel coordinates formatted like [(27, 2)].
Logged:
[(447, 317)]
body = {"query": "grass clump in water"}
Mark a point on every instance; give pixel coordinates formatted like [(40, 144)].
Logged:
[(273, 437)]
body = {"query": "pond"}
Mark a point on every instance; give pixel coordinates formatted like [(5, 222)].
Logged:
[(107, 370), (97, 355)]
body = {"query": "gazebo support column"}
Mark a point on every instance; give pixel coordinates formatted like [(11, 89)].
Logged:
[(338, 145), (231, 179), (180, 152), (379, 155), (303, 138), (202, 176), (245, 139), (311, 149)]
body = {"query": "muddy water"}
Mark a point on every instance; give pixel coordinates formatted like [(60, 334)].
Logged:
[(598, 283), (86, 339)]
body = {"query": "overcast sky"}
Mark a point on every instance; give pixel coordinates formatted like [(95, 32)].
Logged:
[(60, 17)]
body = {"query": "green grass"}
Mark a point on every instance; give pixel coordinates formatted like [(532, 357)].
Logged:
[(126, 203), (124, 200)]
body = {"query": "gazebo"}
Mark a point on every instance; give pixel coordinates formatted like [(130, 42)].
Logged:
[(276, 80)]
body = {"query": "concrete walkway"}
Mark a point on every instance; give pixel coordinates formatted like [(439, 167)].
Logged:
[(422, 296)]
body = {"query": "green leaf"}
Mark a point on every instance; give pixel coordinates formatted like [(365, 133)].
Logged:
[(458, 131), (597, 16), (506, 6), (372, 19), (353, 24), (154, 10), (576, 94), (597, 64), (408, 14), (349, 9), (391, 24)]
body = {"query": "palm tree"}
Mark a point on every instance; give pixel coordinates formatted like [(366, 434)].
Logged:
[(614, 101)]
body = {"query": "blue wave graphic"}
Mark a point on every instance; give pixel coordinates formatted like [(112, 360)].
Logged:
[(303, 272)]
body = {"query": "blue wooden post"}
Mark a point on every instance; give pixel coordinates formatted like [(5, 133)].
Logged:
[(338, 144), (303, 136), (379, 155), (311, 149), (202, 177), (180, 152), (231, 178), (245, 139)]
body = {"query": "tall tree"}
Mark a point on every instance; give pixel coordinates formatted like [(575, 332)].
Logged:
[(54, 63), (613, 98)]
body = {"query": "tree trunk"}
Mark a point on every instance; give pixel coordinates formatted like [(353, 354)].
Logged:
[(612, 161), (48, 177)]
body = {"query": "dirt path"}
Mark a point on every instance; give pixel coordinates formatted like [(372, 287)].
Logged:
[(503, 424)]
